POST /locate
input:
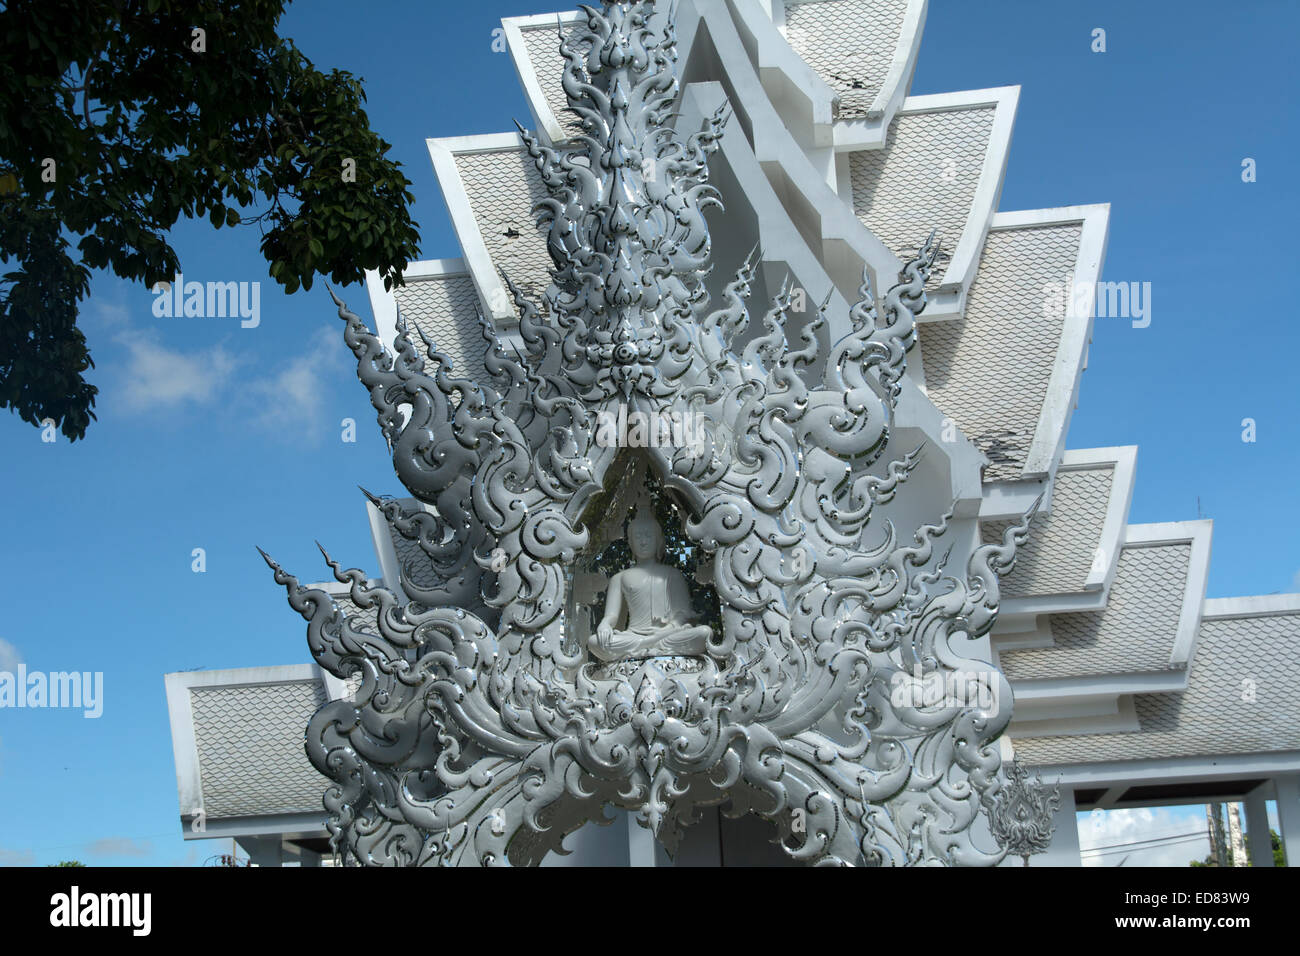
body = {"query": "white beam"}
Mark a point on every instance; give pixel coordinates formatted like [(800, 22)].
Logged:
[(1064, 850), (1111, 796), (263, 851), (1261, 847), (640, 843), (1288, 816)]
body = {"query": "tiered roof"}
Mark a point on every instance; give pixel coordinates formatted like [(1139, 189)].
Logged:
[(829, 167)]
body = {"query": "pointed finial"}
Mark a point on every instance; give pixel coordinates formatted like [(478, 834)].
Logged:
[(328, 560)]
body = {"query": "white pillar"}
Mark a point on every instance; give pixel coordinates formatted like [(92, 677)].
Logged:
[(1261, 846), (1064, 850), (640, 844), (1288, 816), (263, 850)]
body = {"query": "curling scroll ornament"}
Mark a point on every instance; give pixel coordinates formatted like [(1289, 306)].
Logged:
[(482, 731)]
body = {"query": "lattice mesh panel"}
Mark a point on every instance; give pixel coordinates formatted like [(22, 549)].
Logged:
[(1239, 700), (1062, 545), (446, 310), (502, 188), (1134, 633), (923, 179), (989, 370), (849, 43), (250, 747), (543, 46)]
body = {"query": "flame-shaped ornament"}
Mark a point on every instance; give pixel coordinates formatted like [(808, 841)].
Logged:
[(1021, 818), (478, 734)]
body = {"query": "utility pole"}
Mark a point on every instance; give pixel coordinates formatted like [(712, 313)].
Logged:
[(1234, 835), (1214, 821)]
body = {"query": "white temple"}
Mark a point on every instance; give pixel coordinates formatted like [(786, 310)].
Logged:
[(1130, 687)]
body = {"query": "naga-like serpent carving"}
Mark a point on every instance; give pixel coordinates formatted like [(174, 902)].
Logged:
[(478, 735)]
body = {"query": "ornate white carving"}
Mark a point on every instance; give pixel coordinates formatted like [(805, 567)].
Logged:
[(477, 735)]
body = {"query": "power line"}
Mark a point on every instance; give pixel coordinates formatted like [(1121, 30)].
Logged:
[(1139, 843), (1154, 846), (1170, 836)]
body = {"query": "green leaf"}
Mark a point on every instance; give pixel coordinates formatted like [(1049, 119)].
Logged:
[(280, 127)]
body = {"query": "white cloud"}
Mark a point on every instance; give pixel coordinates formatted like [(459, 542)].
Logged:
[(295, 394), (1111, 828), (191, 858), (119, 846), (10, 657), (1295, 582), (110, 316), (287, 396), (158, 378), (17, 858), (152, 377)]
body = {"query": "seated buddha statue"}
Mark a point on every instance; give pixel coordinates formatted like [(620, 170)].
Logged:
[(653, 598)]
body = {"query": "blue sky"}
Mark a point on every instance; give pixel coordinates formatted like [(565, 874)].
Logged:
[(216, 437)]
